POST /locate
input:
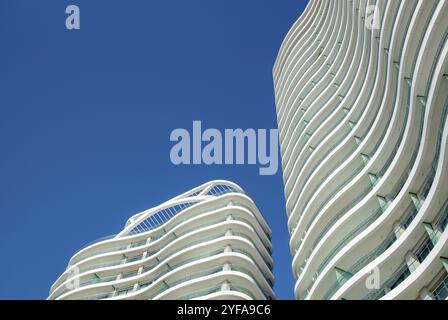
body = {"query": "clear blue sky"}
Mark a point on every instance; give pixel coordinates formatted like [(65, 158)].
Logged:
[(85, 119)]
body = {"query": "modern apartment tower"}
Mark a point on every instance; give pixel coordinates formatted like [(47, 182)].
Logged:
[(208, 243), (362, 98)]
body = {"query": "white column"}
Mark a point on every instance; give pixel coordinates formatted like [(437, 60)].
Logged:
[(140, 270), (227, 267), (225, 286)]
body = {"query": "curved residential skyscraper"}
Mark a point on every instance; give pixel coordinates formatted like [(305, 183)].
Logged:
[(209, 243), (362, 98)]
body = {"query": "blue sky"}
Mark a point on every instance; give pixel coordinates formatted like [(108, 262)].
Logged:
[(86, 116)]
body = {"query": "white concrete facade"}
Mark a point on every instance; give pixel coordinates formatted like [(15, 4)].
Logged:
[(362, 116), (208, 243)]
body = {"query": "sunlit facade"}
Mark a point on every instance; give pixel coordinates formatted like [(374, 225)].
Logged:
[(362, 98), (208, 243)]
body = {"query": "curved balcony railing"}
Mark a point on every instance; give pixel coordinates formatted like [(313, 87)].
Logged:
[(405, 177), (399, 276), (137, 244), (355, 232), (163, 286), (342, 185), (335, 108), (337, 190), (152, 266), (441, 291), (335, 145), (407, 220), (216, 289)]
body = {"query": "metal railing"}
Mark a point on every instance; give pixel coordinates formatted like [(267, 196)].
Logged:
[(148, 268), (349, 237), (160, 218), (163, 286), (441, 292), (393, 282)]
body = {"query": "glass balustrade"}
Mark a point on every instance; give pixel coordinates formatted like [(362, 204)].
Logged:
[(344, 183), (392, 283), (208, 272), (154, 238), (392, 237), (443, 221), (402, 274), (162, 216), (339, 140), (398, 278), (355, 232), (135, 272), (425, 250), (166, 285), (201, 293), (441, 291)]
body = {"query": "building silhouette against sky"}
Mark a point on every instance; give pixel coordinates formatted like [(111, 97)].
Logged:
[(208, 243), (362, 98)]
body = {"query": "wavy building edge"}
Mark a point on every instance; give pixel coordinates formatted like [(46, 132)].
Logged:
[(362, 117), (208, 243)]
